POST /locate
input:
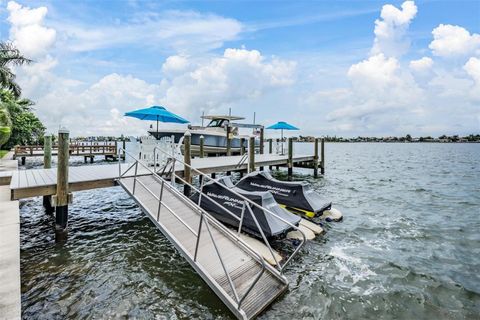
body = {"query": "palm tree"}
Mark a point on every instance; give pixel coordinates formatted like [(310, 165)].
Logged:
[(9, 55)]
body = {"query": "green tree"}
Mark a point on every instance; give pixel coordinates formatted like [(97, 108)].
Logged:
[(26, 128), (5, 126), (10, 56)]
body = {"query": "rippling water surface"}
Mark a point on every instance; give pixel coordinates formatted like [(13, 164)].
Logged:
[(408, 248)]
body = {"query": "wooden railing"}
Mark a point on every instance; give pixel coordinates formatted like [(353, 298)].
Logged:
[(75, 148)]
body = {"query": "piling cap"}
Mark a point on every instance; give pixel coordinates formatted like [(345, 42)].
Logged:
[(63, 130), (187, 133)]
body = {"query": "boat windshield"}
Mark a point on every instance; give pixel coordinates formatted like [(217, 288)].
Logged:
[(216, 123)]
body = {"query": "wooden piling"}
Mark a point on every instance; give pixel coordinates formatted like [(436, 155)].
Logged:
[(270, 149), (123, 156), (315, 159), (229, 141), (187, 171), (290, 157), (202, 146), (262, 142), (47, 164), (242, 146), (61, 199), (322, 164), (23, 161), (251, 154), (262, 139)]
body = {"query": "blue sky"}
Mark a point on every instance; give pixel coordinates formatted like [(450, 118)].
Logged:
[(322, 65)]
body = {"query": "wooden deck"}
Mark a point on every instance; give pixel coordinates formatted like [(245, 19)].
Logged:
[(181, 228), (9, 250), (41, 182)]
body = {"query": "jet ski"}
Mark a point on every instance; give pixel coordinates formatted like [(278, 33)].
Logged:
[(297, 197), (272, 227)]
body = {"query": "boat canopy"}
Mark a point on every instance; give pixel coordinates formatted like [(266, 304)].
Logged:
[(220, 117), (271, 226)]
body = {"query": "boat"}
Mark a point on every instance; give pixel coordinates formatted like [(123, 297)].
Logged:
[(223, 191), (297, 197), (215, 134)]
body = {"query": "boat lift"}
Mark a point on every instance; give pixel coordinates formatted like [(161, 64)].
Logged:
[(237, 271)]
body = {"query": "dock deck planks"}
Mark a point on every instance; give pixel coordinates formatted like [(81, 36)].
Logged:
[(42, 182)]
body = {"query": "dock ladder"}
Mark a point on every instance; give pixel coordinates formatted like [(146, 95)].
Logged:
[(238, 275)]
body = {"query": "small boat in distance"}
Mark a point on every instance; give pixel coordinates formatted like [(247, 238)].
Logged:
[(215, 134)]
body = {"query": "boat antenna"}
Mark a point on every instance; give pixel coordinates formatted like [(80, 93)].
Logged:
[(203, 115), (253, 117), (229, 112)]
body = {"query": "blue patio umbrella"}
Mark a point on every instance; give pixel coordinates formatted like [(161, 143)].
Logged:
[(156, 113), (282, 125)]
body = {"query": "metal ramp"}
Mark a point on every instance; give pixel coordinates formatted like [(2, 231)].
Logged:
[(238, 275)]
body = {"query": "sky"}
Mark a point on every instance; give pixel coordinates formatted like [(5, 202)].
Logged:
[(344, 68)]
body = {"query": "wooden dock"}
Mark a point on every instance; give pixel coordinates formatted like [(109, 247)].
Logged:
[(42, 182), (9, 249), (240, 276)]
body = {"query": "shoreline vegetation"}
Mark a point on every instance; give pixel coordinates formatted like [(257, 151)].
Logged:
[(408, 138)]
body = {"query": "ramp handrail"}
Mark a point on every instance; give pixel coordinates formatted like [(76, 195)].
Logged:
[(203, 215), (248, 201)]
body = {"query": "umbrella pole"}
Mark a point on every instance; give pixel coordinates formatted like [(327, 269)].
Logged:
[(157, 125), (282, 141)]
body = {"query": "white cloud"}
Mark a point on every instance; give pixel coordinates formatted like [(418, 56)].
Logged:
[(237, 75), (421, 65), (175, 64), (449, 41), (472, 67), (27, 31), (182, 31), (391, 28)]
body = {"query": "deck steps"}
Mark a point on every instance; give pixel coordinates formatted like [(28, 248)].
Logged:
[(243, 266)]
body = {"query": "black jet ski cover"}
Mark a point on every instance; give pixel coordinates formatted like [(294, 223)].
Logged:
[(271, 226), (293, 195)]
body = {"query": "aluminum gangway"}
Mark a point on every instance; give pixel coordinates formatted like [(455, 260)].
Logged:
[(239, 276)]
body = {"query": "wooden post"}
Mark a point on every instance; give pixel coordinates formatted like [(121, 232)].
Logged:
[(213, 175), (202, 146), (322, 167), (315, 159), (242, 146), (123, 147), (262, 142), (23, 161), (229, 142), (290, 157), (61, 199), (270, 149), (251, 154), (187, 171), (47, 164), (262, 139)]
